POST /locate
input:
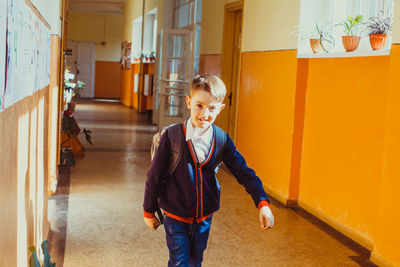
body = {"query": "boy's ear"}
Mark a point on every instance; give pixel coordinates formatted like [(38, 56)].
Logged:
[(188, 101), (221, 107)]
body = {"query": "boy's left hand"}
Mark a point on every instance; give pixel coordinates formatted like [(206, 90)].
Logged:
[(266, 218)]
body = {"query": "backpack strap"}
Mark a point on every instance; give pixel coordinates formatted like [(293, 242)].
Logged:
[(220, 141), (176, 138)]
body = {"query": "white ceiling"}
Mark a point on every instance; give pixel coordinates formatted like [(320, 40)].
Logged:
[(96, 6)]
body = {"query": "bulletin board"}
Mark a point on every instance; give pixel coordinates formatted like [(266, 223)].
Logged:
[(25, 40)]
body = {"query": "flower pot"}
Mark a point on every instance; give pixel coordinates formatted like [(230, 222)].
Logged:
[(316, 45), (350, 43), (377, 41)]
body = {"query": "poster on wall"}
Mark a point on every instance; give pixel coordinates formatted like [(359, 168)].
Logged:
[(3, 32), (13, 92), (123, 53), (27, 52), (27, 63), (128, 52), (345, 28)]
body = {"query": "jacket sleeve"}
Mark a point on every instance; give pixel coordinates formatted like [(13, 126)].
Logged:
[(156, 174), (243, 174)]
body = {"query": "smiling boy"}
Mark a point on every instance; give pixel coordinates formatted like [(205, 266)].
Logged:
[(191, 194)]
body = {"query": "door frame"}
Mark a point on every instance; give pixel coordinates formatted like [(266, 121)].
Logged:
[(226, 72)]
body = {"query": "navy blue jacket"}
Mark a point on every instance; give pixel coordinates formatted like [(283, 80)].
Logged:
[(193, 190)]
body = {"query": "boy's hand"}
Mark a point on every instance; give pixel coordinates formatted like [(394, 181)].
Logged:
[(266, 218), (152, 223)]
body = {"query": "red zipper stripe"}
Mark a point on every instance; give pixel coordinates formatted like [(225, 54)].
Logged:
[(201, 177), (201, 193), (211, 153), (195, 164), (197, 183)]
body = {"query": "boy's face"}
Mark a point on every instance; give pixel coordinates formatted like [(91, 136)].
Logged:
[(203, 108)]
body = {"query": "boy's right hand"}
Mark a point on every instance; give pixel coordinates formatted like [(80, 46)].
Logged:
[(152, 223)]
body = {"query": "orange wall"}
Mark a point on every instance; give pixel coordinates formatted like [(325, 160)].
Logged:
[(107, 80), (149, 99), (24, 177), (265, 113), (387, 241), (126, 91), (328, 132), (135, 68), (343, 142), (128, 96), (210, 64)]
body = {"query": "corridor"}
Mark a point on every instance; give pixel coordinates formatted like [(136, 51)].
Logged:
[(97, 220)]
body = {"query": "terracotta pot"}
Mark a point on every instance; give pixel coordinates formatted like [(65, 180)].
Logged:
[(350, 43), (316, 45), (377, 41)]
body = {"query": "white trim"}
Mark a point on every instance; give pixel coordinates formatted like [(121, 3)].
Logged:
[(347, 54)]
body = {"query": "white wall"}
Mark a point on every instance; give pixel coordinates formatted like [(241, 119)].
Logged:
[(269, 25), (50, 10)]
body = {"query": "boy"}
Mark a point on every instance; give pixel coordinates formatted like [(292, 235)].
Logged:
[(190, 196)]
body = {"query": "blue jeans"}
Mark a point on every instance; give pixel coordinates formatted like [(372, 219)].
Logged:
[(186, 242)]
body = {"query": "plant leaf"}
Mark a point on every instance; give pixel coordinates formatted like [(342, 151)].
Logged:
[(47, 262), (358, 19), (33, 260)]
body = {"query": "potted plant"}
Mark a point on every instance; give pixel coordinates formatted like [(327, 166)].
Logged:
[(351, 38), (320, 39), (33, 259), (70, 144), (153, 56), (71, 89), (378, 29)]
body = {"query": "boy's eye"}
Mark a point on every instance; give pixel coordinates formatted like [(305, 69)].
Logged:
[(199, 106), (212, 108)]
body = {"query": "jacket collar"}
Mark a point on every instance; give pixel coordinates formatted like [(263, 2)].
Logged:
[(194, 134)]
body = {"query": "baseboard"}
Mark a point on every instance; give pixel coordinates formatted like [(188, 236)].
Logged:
[(362, 240), (378, 260), (276, 195), (281, 198), (291, 202)]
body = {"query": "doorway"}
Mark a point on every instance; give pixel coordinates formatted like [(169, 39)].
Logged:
[(81, 59), (231, 50)]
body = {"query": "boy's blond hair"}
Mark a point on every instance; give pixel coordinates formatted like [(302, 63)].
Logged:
[(211, 83)]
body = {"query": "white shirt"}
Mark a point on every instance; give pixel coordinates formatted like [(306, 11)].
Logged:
[(201, 139)]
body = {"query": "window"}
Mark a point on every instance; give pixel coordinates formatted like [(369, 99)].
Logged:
[(136, 39), (187, 14), (327, 16), (150, 34)]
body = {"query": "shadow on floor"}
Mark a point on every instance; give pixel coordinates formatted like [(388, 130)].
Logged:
[(58, 232)]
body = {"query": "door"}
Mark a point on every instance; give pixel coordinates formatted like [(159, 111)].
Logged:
[(230, 67), (71, 55), (175, 76), (156, 81), (86, 67)]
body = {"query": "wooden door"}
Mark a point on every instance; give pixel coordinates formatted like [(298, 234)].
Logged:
[(230, 66)]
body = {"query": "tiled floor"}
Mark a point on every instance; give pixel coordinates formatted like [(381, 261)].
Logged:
[(98, 217)]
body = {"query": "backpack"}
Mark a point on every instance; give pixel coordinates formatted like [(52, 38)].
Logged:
[(175, 135)]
